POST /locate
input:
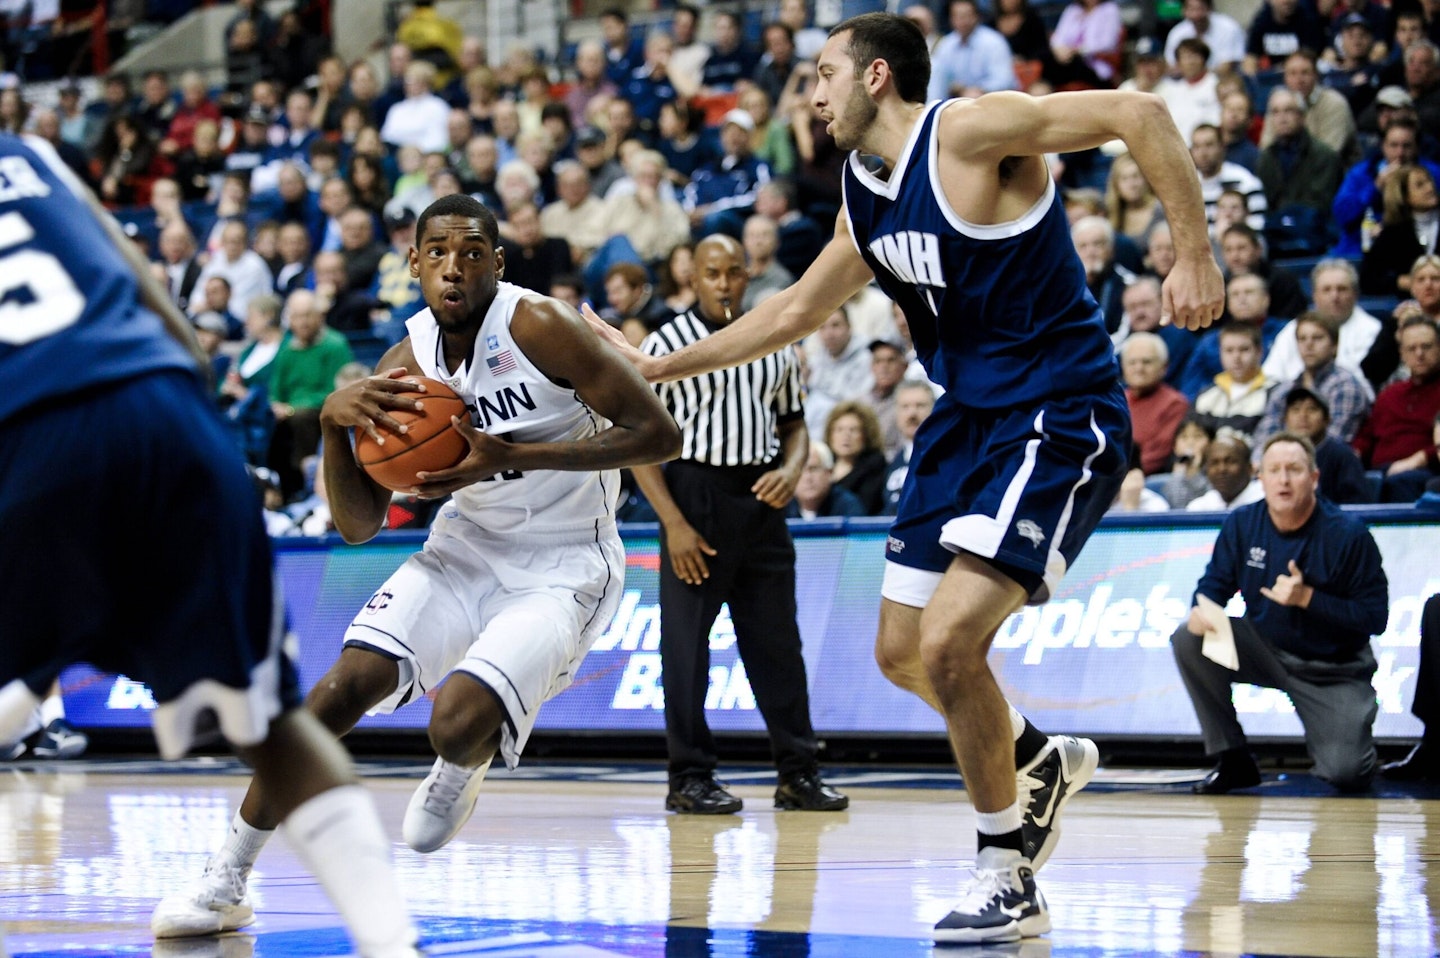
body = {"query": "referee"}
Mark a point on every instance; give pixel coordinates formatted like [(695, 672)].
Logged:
[(724, 539)]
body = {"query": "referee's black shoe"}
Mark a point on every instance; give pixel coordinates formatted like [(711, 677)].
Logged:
[(804, 791), (1236, 769), (699, 794)]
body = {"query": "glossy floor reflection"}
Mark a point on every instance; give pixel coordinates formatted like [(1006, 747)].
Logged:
[(565, 869)]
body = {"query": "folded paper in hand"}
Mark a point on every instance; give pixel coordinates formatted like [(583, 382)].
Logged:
[(1218, 644)]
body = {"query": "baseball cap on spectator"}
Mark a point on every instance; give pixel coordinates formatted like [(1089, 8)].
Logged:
[(1394, 97), (1147, 48), (589, 135), (741, 119), (894, 344), (399, 219), (1300, 393), (212, 322), (1354, 20)]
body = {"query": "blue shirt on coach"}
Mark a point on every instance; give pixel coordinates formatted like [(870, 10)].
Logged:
[(1338, 558)]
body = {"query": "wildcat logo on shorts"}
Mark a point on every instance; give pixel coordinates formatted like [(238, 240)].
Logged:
[(1027, 529), (378, 601)]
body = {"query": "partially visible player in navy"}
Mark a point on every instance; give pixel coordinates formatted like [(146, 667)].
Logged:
[(134, 540), (1028, 445)]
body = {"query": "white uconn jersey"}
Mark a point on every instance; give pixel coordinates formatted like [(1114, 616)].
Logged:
[(510, 398)]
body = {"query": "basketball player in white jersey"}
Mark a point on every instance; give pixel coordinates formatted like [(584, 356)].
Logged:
[(523, 568)]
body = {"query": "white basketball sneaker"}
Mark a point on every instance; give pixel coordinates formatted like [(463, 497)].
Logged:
[(1000, 903), (442, 804), (215, 902), (1062, 768)]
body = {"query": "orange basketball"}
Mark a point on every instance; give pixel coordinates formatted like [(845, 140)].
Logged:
[(429, 444)]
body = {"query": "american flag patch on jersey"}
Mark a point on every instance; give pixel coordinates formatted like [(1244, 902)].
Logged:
[(501, 362)]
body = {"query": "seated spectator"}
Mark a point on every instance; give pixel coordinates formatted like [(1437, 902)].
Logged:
[(1423, 762), (838, 359), (298, 132), (732, 60), (1235, 404), (1187, 480), (1411, 225), (589, 82), (1192, 97), (1382, 363), (199, 167), (1134, 495), (971, 59), (761, 239), (1335, 286), (182, 265), (243, 268), (633, 306), (1230, 475), (816, 495), (1399, 435), (578, 216), (421, 118), (195, 105), (1327, 114), (1155, 408), (343, 309), (652, 221), (292, 201), (123, 158), (292, 244), (532, 259), (1085, 44), (1295, 168), (1237, 111), (359, 247), (771, 78), (801, 238), (1131, 206), (1342, 476), (303, 375), (1280, 27), (1160, 257), (770, 141), (1142, 314), (1359, 207), (1224, 38), (1015, 20), (1217, 175), (1094, 240), (852, 432), (677, 279), (890, 361), (1314, 592), (1343, 391), (1354, 74), (244, 392), (394, 288), (722, 192), (914, 401), (1247, 305)]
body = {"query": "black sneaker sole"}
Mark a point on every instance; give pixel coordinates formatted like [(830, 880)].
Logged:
[(686, 808), (790, 805)]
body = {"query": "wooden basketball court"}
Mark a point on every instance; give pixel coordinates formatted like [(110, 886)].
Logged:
[(563, 862)]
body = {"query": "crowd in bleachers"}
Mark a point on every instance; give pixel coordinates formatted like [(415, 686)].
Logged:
[(278, 208)]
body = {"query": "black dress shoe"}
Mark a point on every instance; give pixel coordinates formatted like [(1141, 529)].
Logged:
[(1234, 771), (701, 795), (1421, 765), (804, 791)]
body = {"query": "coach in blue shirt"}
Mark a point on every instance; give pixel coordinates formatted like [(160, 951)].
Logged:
[(1314, 593)]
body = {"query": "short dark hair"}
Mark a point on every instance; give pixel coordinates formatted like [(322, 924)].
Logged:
[(1241, 229), (1249, 330), (461, 204), (897, 41), (1321, 322), (1193, 45)]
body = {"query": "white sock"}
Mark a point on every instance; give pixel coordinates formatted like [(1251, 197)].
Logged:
[(243, 843), (999, 823), (338, 836), (51, 709), (1017, 723), (17, 711)]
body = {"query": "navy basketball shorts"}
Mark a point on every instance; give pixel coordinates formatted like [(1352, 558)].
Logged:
[(1021, 488), (134, 542)]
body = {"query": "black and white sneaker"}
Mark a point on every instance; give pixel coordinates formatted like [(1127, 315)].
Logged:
[(1062, 768), (1000, 903), (60, 740)]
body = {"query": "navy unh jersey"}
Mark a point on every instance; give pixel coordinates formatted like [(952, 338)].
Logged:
[(70, 311), (999, 314)]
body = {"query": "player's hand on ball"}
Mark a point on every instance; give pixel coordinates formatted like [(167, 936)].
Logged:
[(363, 404), (488, 457)]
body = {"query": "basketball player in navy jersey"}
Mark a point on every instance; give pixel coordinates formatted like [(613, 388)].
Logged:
[(522, 571), (134, 539), (1013, 469)]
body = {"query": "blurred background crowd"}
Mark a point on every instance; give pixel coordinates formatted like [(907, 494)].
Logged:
[(275, 188)]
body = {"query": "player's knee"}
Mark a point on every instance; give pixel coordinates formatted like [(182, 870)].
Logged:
[(898, 662), (465, 720), (355, 684), (948, 661), (1185, 645)]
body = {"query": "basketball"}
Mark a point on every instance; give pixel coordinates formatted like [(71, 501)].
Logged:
[(429, 445)]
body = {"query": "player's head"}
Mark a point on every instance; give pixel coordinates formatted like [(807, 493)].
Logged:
[(720, 278), (458, 261), (864, 58)]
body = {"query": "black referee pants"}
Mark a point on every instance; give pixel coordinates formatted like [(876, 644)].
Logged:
[(754, 571)]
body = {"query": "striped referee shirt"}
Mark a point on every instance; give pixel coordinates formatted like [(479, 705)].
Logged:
[(730, 417)]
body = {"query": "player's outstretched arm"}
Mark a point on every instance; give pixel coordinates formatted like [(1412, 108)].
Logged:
[(358, 503), (780, 320), (557, 340), (1000, 125)]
